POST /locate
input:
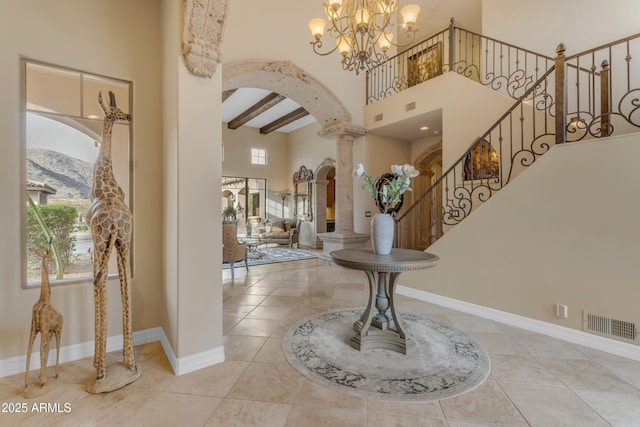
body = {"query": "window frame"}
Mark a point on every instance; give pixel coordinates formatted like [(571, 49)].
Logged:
[(261, 154), (24, 62)]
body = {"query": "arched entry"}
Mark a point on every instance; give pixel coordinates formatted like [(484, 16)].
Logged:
[(425, 227), (285, 78), (324, 204)]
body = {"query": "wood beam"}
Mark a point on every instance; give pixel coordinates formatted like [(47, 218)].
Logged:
[(284, 120), (260, 107), (227, 93)]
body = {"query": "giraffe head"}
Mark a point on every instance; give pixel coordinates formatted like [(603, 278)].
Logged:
[(112, 112), (46, 258)]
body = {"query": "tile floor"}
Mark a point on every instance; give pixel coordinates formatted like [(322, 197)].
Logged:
[(535, 380)]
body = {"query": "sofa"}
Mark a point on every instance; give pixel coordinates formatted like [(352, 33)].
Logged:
[(282, 231)]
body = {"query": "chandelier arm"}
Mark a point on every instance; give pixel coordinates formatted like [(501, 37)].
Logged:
[(317, 44)]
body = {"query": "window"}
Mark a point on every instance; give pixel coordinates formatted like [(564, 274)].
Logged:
[(63, 127), (258, 156)]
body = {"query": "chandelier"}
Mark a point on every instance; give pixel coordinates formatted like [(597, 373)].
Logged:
[(363, 30)]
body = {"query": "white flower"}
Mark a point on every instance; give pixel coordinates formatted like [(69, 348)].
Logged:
[(359, 170), (409, 171), (396, 169)]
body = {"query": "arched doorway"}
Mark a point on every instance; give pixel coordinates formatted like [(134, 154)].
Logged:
[(424, 225), (285, 78), (325, 193)]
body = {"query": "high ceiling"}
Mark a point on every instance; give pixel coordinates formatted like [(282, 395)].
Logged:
[(269, 112), (262, 109)]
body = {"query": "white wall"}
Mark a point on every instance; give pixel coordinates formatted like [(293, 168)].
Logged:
[(563, 232), (99, 38)]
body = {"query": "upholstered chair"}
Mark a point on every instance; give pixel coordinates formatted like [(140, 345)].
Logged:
[(232, 250)]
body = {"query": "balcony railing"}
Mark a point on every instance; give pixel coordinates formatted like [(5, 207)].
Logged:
[(501, 66), (573, 99)]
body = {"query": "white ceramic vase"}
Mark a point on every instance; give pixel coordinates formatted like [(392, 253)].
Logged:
[(382, 230)]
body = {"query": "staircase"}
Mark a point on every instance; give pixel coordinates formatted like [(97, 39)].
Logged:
[(564, 99)]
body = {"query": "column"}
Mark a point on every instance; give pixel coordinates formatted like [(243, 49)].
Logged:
[(344, 236)]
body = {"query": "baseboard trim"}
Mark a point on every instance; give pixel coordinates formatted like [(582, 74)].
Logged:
[(622, 349), (69, 353)]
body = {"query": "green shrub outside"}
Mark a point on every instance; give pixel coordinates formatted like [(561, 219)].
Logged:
[(61, 221)]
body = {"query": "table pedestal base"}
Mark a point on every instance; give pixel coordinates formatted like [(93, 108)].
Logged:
[(387, 339)]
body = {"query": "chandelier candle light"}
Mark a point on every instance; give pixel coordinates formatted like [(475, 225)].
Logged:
[(363, 30), (387, 191)]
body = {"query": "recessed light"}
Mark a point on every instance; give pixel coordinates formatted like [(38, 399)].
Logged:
[(92, 116), (424, 128)]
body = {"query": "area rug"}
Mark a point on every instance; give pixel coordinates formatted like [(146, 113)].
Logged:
[(273, 255), (445, 361)]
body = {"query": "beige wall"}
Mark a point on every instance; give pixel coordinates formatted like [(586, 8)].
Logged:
[(192, 229), (541, 25), (237, 162), (96, 37), (563, 232)]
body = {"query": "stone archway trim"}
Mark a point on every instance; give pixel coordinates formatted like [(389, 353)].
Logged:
[(202, 35), (286, 78)]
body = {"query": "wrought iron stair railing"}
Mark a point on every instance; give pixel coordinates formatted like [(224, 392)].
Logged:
[(576, 102), (496, 64)]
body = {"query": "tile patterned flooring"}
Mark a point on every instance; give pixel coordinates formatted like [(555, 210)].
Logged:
[(535, 380)]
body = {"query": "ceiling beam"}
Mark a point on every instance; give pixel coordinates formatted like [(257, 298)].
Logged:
[(284, 120), (260, 107), (227, 93)]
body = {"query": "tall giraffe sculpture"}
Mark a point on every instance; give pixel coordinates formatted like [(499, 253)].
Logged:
[(47, 321), (109, 219)]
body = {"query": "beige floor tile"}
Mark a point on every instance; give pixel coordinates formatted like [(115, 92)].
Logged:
[(245, 299), (267, 382), (237, 310), (315, 416), (469, 323), (401, 420), (552, 407), (271, 352), (521, 369), (586, 375), (245, 413), (289, 292), (312, 394), (627, 371), (543, 346), (254, 327), (429, 409), (228, 322), (170, 409), (618, 409), (498, 343), (259, 290), (243, 348), (269, 313), (279, 301), (215, 381), (486, 404)]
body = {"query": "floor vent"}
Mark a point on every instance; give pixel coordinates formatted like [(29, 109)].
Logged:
[(612, 328)]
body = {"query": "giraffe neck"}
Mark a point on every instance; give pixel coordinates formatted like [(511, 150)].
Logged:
[(45, 287), (103, 180)]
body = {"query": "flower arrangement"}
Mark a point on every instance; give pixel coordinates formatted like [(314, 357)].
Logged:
[(387, 189)]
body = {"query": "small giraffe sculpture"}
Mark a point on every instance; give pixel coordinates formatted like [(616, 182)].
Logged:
[(109, 219), (47, 321)]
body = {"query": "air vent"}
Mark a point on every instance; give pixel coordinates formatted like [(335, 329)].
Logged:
[(612, 328), (378, 117), (410, 106)]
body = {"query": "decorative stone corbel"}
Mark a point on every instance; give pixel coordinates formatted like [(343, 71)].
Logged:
[(202, 37)]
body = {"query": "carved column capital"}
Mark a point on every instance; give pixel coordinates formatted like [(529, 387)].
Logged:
[(202, 37), (342, 129)]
